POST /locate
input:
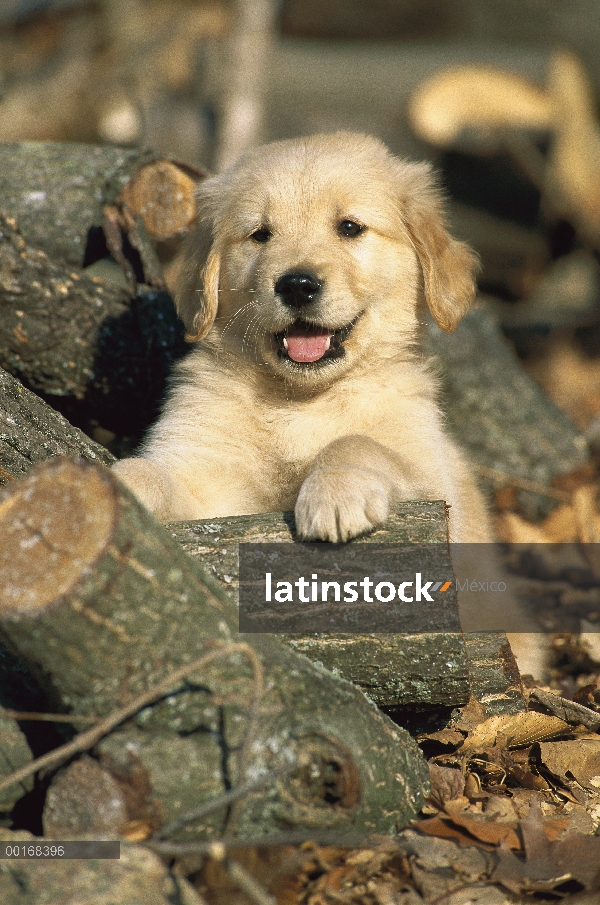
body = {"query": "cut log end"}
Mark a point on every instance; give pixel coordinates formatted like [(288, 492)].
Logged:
[(54, 526), (163, 194)]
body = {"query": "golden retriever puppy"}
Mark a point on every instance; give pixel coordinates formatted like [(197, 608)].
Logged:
[(303, 286)]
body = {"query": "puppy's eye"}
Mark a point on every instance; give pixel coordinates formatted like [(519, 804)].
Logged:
[(261, 235), (349, 228)]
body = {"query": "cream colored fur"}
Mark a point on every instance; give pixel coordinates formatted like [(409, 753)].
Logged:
[(244, 429)]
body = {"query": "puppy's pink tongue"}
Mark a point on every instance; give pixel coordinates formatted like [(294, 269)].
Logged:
[(307, 346)]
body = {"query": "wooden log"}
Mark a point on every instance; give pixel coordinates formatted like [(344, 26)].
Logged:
[(71, 323), (102, 604), (410, 670), (50, 315), (400, 672), (162, 193), (31, 431), (493, 673), (508, 426), (67, 334), (57, 193)]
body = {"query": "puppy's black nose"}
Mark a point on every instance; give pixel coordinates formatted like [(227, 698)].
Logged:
[(297, 289)]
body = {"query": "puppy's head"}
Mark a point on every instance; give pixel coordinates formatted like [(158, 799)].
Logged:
[(311, 255)]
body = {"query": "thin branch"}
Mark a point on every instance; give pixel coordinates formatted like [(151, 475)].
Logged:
[(248, 885), (246, 751), (49, 717), (218, 848)]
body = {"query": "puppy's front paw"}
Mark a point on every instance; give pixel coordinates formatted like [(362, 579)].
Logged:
[(338, 504)]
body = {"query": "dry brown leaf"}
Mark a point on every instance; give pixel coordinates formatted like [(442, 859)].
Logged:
[(443, 829), (473, 789), (447, 783), (588, 696), (484, 828), (528, 780), (511, 731), (471, 715), (548, 864), (502, 809), (475, 98), (578, 757), (449, 737), (361, 869)]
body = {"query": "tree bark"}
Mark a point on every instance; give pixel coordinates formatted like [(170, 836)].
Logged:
[(31, 431), (71, 322), (101, 604), (493, 673)]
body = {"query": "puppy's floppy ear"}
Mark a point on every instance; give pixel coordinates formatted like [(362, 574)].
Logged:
[(449, 266), (197, 281)]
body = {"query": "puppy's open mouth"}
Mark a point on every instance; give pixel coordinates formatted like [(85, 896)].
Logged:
[(308, 343)]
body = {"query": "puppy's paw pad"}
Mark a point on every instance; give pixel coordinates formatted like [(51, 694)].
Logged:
[(337, 506)]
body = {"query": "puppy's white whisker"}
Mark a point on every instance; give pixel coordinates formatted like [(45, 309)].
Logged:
[(247, 307), (251, 332)]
